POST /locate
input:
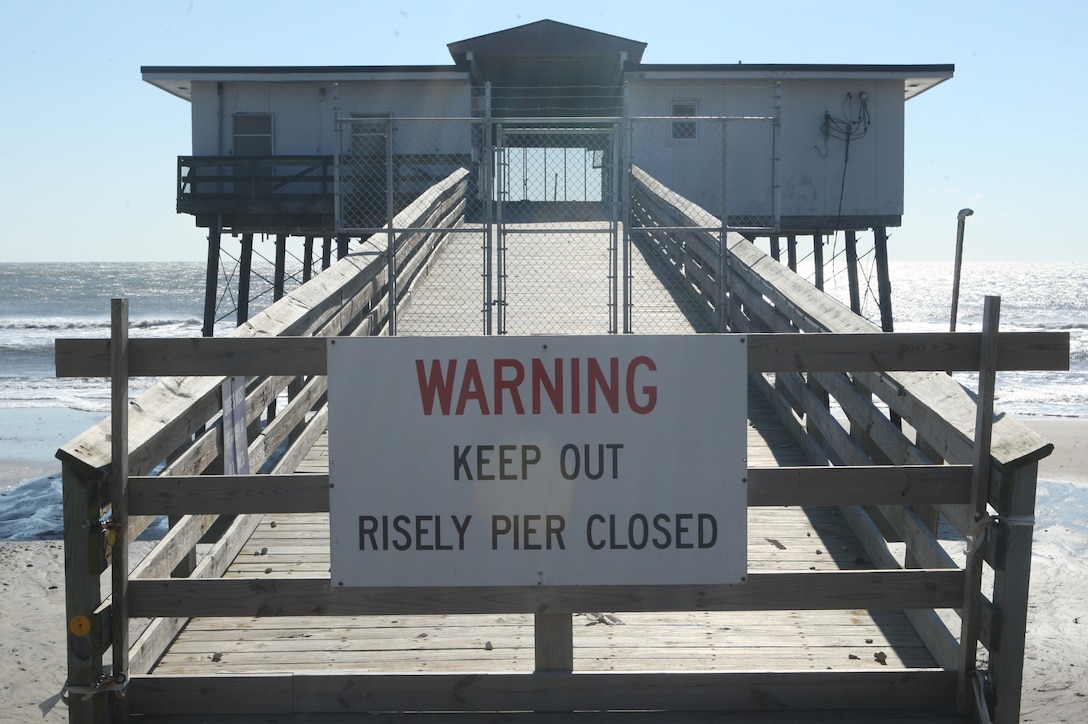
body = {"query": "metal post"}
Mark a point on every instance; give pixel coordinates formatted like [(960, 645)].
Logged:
[(723, 237), (818, 259), (487, 177), (501, 181), (624, 178), (776, 185), (960, 218), (337, 182), (391, 244), (614, 320)]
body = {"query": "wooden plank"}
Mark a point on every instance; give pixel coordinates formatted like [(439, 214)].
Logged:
[(770, 591), (859, 485), (554, 642), (296, 493), (690, 691), (767, 352), (229, 494)]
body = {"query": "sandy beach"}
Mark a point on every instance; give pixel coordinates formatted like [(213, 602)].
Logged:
[(1056, 665)]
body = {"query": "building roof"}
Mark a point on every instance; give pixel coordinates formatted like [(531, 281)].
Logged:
[(916, 78), (540, 55), (178, 80)]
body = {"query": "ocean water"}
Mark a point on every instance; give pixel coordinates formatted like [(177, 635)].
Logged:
[(43, 301)]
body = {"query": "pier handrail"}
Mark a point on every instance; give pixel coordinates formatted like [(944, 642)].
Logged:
[(755, 293)]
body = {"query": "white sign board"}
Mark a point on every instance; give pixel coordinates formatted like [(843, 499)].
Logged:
[(513, 461)]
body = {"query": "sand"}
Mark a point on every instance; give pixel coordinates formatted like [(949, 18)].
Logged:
[(32, 667)]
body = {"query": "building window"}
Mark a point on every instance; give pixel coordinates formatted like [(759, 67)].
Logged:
[(684, 130), (252, 134)]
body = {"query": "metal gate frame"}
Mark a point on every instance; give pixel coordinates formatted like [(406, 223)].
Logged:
[(612, 199)]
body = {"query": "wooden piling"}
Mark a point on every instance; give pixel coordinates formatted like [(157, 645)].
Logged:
[(245, 271), (211, 280)]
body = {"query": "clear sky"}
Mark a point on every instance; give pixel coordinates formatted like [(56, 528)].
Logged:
[(89, 150)]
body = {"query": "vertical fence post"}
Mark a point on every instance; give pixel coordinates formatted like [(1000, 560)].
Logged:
[(614, 229), (980, 488), (391, 243), (502, 185), (118, 525), (1012, 576), (487, 189), (723, 237), (84, 561)]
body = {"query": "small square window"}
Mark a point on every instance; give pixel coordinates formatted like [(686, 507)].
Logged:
[(252, 134), (684, 130)]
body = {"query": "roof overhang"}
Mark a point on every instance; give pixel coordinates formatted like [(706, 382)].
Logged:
[(917, 79), (178, 80)]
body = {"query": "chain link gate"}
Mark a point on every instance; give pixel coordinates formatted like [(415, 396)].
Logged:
[(554, 238), (558, 231)]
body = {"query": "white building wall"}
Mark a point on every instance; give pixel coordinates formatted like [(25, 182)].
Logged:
[(304, 113), (810, 171)]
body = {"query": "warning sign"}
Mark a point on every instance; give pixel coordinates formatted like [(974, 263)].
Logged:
[(507, 461)]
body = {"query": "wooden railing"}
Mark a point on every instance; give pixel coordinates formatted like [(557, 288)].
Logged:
[(892, 484), (241, 177), (175, 430), (888, 415)]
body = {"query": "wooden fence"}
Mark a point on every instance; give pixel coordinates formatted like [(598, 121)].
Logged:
[(893, 483)]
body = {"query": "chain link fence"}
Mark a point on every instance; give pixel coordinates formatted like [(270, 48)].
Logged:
[(386, 164), (695, 172), (552, 237)]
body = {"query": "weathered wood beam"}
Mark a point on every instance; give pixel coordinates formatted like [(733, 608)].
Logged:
[(915, 689), (305, 493), (874, 352), (800, 591)]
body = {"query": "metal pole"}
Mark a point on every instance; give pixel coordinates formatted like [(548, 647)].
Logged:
[(960, 219), (487, 171), (723, 239), (391, 243)]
